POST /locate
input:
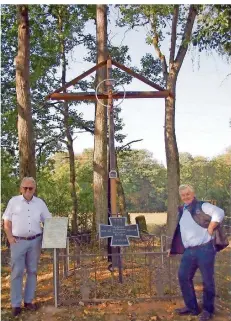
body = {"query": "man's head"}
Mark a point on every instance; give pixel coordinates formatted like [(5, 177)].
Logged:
[(27, 187), (186, 193)]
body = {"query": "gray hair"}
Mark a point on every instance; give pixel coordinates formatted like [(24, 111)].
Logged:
[(186, 186), (28, 179)]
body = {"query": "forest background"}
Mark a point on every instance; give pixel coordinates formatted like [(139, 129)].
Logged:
[(55, 31)]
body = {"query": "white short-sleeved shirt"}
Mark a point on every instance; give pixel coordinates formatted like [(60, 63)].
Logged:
[(193, 234), (26, 216)]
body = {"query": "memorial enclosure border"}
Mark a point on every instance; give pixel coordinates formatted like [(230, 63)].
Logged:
[(147, 273)]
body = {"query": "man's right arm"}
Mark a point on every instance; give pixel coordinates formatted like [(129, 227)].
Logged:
[(7, 217), (8, 230)]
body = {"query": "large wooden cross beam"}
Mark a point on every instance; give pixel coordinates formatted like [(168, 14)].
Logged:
[(58, 95), (117, 95), (110, 95)]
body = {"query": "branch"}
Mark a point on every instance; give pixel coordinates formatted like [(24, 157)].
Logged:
[(80, 132), (119, 149), (186, 37), (160, 55), (48, 104), (139, 24), (47, 142), (51, 103), (75, 137), (63, 141), (55, 126), (44, 144), (173, 36), (227, 76), (87, 129)]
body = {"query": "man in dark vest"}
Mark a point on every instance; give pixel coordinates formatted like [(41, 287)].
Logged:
[(198, 236)]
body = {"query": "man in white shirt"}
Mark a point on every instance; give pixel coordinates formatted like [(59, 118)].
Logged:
[(22, 224), (194, 239)]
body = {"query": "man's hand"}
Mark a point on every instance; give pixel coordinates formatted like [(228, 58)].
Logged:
[(168, 253), (211, 227), (12, 240)]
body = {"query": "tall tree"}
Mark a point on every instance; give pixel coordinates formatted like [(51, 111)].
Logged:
[(62, 13), (180, 17), (68, 24), (100, 135), (25, 126)]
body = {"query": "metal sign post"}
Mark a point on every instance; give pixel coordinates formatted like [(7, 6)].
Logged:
[(55, 276), (55, 237)]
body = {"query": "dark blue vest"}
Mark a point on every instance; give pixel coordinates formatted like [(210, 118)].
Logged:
[(202, 219)]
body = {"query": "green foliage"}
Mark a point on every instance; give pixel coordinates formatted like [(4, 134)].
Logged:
[(151, 69), (53, 186), (9, 180), (144, 181), (211, 178), (158, 19), (44, 63), (8, 92), (213, 29)]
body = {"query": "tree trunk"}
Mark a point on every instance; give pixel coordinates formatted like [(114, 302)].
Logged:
[(171, 150), (172, 156), (74, 221), (74, 225), (120, 194), (27, 165), (100, 175)]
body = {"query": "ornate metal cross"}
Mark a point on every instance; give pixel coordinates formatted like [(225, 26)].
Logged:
[(118, 231)]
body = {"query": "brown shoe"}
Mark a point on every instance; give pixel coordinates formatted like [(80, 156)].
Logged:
[(30, 306), (16, 311)]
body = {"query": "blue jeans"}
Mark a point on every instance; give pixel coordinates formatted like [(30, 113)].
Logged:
[(202, 257), (24, 255)]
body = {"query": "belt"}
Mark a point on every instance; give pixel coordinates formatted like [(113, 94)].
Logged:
[(29, 238), (201, 245)]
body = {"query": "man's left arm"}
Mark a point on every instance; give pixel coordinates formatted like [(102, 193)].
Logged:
[(45, 212), (217, 215)]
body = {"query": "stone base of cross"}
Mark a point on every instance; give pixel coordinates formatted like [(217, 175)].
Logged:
[(119, 231)]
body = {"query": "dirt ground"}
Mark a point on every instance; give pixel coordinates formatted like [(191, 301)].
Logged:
[(148, 310), (117, 311)]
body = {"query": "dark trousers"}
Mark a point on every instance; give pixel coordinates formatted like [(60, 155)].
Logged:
[(202, 257)]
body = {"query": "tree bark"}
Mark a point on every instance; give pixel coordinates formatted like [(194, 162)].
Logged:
[(26, 143), (100, 175), (172, 155), (69, 143), (170, 76), (74, 211), (120, 194)]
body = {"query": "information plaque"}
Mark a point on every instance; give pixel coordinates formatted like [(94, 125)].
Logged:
[(55, 233)]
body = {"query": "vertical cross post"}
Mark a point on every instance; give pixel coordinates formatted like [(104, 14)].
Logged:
[(111, 140), (116, 260)]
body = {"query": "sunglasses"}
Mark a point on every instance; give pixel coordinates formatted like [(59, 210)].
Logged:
[(28, 188)]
